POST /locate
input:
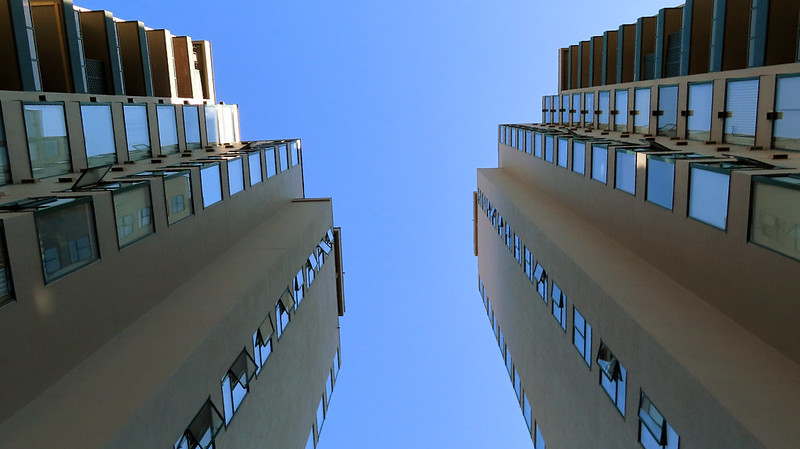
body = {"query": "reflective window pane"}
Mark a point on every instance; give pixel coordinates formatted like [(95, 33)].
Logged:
[(98, 134), (549, 147), (576, 108), (212, 125), (133, 211), (48, 147), (67, 237), (625, 172), (563, 148), (708, 196), (741, 103), (660, 181), (668, 105), (167, 129), (137, 132), (786, 133), (565, 109), (698, 124), (599, 163), (235, 176), (254, 162), (528, 142), (589, 108), (283, 157), (603, 107), (537, 145), (191, 127), (178, 196), (294, 149), (272, 168), (211, 184), (554, 116), (579, 156), (775, 215), (621, 106), (641, 104)]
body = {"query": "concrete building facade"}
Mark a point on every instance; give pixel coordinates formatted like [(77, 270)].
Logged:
[(638, 248), (162, 282)]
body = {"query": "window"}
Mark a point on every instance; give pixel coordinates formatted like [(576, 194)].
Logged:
[(540, 276), (235, 175), (272, 169), (98, 134), (517, 249), (549, 148), (48, 147), (191, 127), (698, 121), (320, 415), (262, 343), (295, 150), (563, 149), (229, 119), (211, 184), (299, 288), (236, 384), (582, 336), (774, 215), (537, 145), (132, 209), (667, 111), (137, 132), (741, 110), (528, 263), (509, 237), (178, 192), (311, 269), (282, 311), (641, 106), (708, 195), (212, 125), (284, 159), (329, 387), (509, 362), (526, 411), (621, 108), (6, 286), (565, 109), (579, 156), (5, 172), (310, 441), (625, 172), (603, 106), (612, 377), (501, 341), (254, 165), (599, 162), (660, 180), (559, 306), (589, 108), (337, 362), (786, 133), (520, 139), (528, 142), (512, 132), (654, 431), (67, 236), (167, 129), (576, 109), (554, 116), (539, 438), (517, 383), (546, 111), (202, 430)]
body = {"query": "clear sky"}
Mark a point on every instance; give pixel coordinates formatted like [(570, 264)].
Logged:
[(397, 103)]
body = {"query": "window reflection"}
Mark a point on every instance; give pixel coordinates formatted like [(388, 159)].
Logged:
[(565, 109), (211, 184), (576, 108), (579, 156), (698, 124), (660, 180), (668, 111), (625, 171), (775, 217), (741, 105), (137, 132), (67, 236), (212, 125), (283, 155), (589, 108), (708, 196), (46, 130), (548, 147), (641, 104), (98, 134), (563, 148), (272, 168), (599, 162), (167, 129), (235, 176), (621, 106), (191, 127), (786, 133), (178, 195), (603, 108), (537, 145), (133, 211), (254, 163)]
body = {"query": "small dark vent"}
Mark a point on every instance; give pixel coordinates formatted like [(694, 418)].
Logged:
[(95, 76)]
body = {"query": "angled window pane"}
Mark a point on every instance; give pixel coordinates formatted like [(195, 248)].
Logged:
[(549, 147), (641, 104), (254, 165), (603, 105), (698, 124), (526, 411), (579, 156), (528, 142), (786, 133), (272, 168), (537, 149), (554, 116), (621, 105), (708, 196), (235, 176), (660, 181), (178, 193), (589, 108), (775, 215), (211, 184), (625, 172), (283, 156), (563, 149), (48, 147), (133, 211), (212, 125), (741, 103), (576, 108), (565, 109), (668, 105), (67, 236), (137, 132), (191, 127), (98, 134), (167, 129), (599, 162)]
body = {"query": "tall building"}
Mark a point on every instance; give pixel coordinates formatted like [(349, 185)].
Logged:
[(638, 249), (163, 284)]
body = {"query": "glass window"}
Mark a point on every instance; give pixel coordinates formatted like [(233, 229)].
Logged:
[(202, 430), (227, 123), (654, 431), (786, 133), (621, 106), (741, 105), (320, 415), (283, 156), (576, 109), (211, 184), (625, 172), (603, 100), (298, 288), (67, 236), (509, 362), (539, 439), (528, 257), (546, 112), (337, 361), (559, 305), (98, 134), (133, 211), (563, 151), (579, 156), (599, 162), (236, 384), (513, 132), (612, 376), (517, 248), (6, 286), (517, 383), (774, 215), (660, 180), (48, 146), (540, 276), (310, 441), (520, 139), (641, 105), (329, 387), (698, 123), (235, 175), (549, 148), (537, 148), (191, 127), (282, 311), (668, 111), (5, 171), (708, 196), (262, 343), (137, 132), (582, 336), (294, 148), (554, 115), (212, 125), (167, 129), (254, 164), (528, 142), (526, 411), (272, 168), (565, 109), (588, 98)]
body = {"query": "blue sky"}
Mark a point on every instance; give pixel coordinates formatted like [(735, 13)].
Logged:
[(397, 104)]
